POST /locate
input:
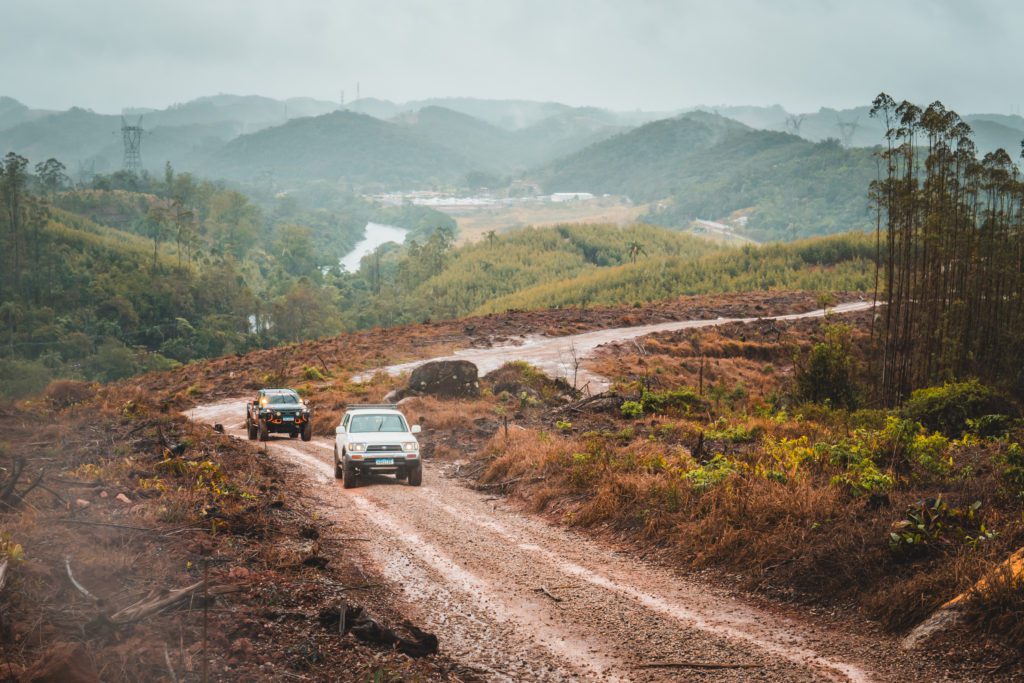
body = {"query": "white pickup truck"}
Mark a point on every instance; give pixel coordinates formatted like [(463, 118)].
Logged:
[(376, 439)]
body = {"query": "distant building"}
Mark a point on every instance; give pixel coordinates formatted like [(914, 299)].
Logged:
[(570, 196)]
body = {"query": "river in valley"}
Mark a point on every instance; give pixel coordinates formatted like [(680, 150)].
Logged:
[(376, 235)]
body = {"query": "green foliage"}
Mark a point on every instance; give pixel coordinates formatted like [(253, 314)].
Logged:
[(932, 524), (1013, 467), (951, 408), (633, 409), (313, 374), (841, 263), (22, 377), (710, 474), (683, 400), (826, 374)]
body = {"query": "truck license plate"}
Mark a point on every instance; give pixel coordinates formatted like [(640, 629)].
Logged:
[(289, 419), (385, 461)]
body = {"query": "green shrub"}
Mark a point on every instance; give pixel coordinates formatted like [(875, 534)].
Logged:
[(826, 374), (948, 408), (313, 374), (711, 473), (633, 409)]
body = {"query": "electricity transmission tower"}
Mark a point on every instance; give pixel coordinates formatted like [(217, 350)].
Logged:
[(132, 145), (793, 123), (847, 129)]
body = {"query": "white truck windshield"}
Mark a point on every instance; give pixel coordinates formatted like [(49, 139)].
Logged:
[(377, 423)]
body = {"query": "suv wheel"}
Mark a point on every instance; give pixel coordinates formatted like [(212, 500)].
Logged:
[(416, 475), (339, 473), (349, 480), (264, 434), (307, 431), (250, 428)]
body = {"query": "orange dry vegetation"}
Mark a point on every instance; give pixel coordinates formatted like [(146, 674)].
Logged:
[(132, 517)]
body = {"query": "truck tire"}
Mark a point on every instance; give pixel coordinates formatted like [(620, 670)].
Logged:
[(250, 428), (264, 434), (339, 473), (416, 475), (349, 477), (307, 431)]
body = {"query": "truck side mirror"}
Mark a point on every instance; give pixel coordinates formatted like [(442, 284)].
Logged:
[(339, 430), (416, 429)]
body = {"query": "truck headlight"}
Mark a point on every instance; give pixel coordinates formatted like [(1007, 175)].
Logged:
[(357, 447), (410, 446)]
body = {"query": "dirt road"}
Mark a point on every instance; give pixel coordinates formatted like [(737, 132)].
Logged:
[(515, 598), (559, 356), (471, 569)]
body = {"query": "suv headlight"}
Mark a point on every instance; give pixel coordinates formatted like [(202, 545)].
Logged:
[(357, 447), (410, 446)]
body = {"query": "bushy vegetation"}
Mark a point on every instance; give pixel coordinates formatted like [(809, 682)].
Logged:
[(956, 407), (182, 269), (839, 263)]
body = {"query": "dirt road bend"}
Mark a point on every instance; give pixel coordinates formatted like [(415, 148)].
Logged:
[(475, 571), (557, 356)]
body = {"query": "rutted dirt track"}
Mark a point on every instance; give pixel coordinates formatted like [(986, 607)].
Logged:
[(555, 355), (470, 568), (470, 571)]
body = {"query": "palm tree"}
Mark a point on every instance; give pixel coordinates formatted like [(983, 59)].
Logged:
[(635, 249)]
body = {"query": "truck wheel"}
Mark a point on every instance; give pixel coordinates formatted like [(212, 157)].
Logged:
[(349, 477), (339, 473), (307, 431), (416, 475), (264, 435), (401, 474), (251, 429)]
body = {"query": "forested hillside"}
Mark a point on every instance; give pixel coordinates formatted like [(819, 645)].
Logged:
[(342, 146), (707, 166), (136, 273)]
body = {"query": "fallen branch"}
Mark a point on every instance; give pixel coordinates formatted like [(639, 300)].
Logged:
[(87, 522), (170, 669), (545, 591), (508, 481), (81, 589), (698, 665), (153, 603), (3, 573)]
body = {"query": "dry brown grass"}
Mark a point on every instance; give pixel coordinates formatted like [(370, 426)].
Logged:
[(219, 498)]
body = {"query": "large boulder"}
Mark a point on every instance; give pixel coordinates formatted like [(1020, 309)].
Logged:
[(444, 379)]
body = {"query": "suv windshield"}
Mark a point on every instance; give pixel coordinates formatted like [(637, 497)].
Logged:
[(377, 423), (287, 399)]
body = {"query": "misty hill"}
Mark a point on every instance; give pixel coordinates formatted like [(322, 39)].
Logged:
[(343, 145), (82, 137), (13, 112), (485, 147), (507, 114), (645, 163), (495, 150), (768, 118), (702, 165), (252, 112)]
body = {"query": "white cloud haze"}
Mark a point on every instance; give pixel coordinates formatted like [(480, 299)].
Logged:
[(620, 54)]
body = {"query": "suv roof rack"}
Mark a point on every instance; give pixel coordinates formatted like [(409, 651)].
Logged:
[(388, 406)]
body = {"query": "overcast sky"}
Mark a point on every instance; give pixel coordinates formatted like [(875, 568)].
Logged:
[(620, 54)]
